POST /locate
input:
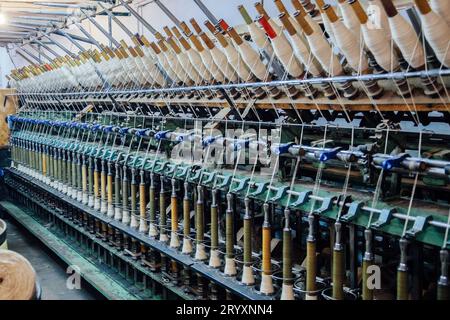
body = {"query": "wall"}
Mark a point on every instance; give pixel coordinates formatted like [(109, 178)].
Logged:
[(5, 66)]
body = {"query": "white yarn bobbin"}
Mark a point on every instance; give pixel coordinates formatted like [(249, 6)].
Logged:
[(407, 41), (251, 58), (437, 32), (380, 46), (441, 7)]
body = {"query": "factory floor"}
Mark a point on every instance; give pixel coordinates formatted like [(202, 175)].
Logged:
[(51, 271)]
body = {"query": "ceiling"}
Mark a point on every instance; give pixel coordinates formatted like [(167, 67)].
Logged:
[(25, 16)]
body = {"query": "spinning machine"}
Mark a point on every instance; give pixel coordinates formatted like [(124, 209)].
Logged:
[(297, 156)]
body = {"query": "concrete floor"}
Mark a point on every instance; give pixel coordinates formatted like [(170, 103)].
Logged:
[(50, 270)]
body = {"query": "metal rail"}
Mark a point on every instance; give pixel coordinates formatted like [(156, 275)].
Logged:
[(387, 76)]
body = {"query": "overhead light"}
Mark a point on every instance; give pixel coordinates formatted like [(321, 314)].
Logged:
[(3, 19)]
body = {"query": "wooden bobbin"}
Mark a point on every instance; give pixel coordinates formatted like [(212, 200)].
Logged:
[(17, 277)]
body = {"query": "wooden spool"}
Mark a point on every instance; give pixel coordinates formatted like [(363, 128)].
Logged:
[(17, 277), (3, 232)]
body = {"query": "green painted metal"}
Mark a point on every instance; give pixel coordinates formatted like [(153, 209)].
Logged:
[(239, 185)]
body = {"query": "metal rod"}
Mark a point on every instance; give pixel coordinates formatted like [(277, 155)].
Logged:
[(206, 11), (66, 35), (102, 30), (168, 13), (139, 17), (117, 21), (53, 52), (88, 35), (26, 58), (73, 36), (59, 45), (41, 53)]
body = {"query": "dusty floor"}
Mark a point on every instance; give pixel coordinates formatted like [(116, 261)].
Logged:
[(51, 271)]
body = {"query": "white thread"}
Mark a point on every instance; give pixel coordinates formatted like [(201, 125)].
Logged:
[(437, 32), (379, 44), (284, 52), (327, 24), (407, 41), (351, 21), (234, 59), (350, 46), (323, 52), (212, 67), (222, 62), (304, 55), (167, 67), (197, 63), (441, 7), (260, 38), (251, 58)]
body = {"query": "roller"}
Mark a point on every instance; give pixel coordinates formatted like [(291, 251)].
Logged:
[(214, 256), (308, 17), (164, 62), (441, 7), (311, 261), (174, 241), (134, 221), (200, 252), (187, 243), (303, 54), (248, 277), (251, 58), (125, 190), (110, 191), (367, 293), (338, 268), (287, 290), (410, 46), (443, 283), (266, 286), (230, 264), (285, 54), (235, 60), (163, 237), (402, 272), (205, 55), (152, 230), (142, 204)]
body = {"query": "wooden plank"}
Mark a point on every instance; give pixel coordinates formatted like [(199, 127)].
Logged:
[(8, 105)]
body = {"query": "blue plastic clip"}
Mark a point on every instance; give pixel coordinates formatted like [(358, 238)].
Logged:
[(183, 136), (161, 135), (208, 140), (124, 130), (329, 154), (281, 148), (394, 162), (141, 132)]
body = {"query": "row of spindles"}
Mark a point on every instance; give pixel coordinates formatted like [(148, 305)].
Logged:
[(122, 195)]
